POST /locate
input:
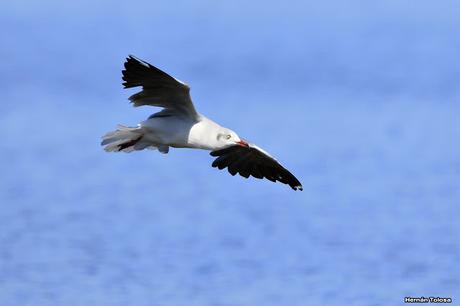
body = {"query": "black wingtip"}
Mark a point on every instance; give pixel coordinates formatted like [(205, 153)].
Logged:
[(132, 58), (136, 72)]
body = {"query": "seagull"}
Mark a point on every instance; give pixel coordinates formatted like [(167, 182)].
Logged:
[(179, 125)]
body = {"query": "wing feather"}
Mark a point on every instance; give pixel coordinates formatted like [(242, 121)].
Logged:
[(239, 165), (158, 88), (255, 172), (224, 161)]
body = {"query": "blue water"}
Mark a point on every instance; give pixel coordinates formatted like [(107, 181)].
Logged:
[(359, 99)]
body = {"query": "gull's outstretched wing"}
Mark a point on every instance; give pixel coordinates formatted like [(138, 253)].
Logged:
[(158, 88), (252, 160)]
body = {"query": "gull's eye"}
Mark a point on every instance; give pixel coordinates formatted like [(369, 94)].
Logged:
[(228, 136)]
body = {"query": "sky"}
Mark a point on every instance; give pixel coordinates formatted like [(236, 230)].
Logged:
[(359, 99)]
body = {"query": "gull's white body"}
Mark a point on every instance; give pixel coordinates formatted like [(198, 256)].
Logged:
[(179, 131)]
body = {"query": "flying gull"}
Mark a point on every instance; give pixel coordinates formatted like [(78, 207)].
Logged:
[(179, 125)]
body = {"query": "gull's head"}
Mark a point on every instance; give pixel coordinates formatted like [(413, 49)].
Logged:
[(227, 137)]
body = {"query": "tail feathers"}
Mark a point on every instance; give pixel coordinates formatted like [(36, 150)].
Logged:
[(126, 139)]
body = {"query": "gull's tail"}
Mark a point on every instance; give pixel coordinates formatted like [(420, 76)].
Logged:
[(126, 139)]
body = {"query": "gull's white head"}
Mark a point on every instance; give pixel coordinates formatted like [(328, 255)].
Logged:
[(226, 137)]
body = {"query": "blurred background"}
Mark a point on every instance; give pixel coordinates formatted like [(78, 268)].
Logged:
[(360, 99)]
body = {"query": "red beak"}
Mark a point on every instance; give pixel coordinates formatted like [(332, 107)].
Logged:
[(242, 143)]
